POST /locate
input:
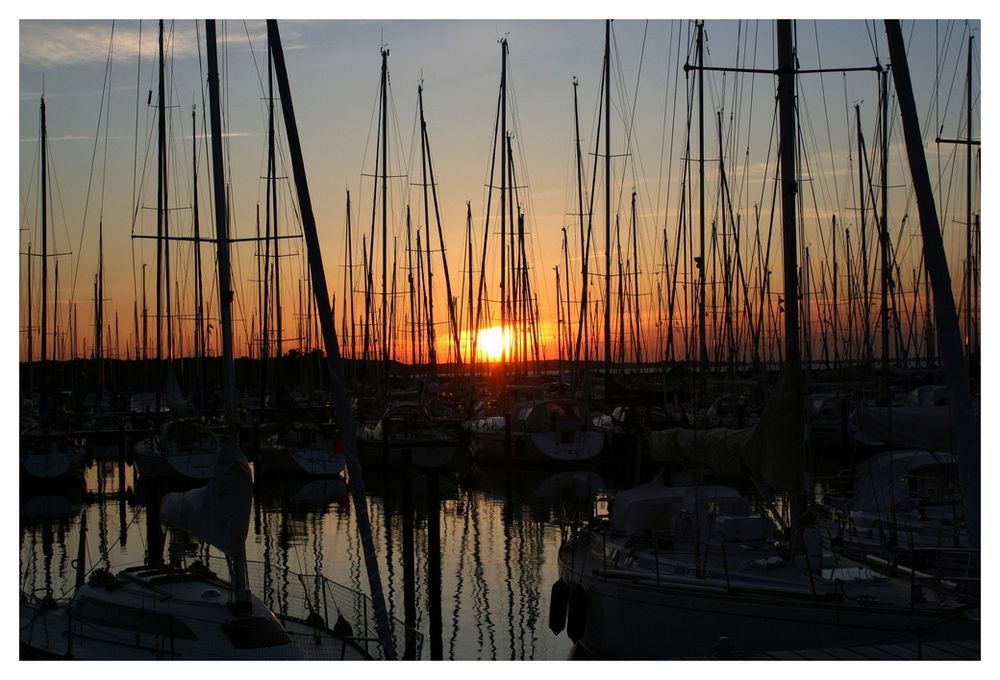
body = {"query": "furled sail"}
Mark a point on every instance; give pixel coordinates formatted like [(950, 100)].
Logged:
[(219, 512)]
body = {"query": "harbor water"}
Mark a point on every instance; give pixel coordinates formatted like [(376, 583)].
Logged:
[(496, 545)]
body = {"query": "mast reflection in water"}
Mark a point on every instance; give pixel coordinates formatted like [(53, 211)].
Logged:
[(498, 537)]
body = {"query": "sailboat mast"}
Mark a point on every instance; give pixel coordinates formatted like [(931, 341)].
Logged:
[(967, 436), (165, 202), (349, 281), (968, 207), (702, 340), (635, 293), (472, 323), (160, 205), (199, 299), (884, 231), (412, 289), (432, 349), (789, 188), (385, 208), (44, 189), (452, 312), (344, 417), (583, 242), (99, 296), (607, 198), (31, 300), (504, 293), (221, 230), (865, 292), (272, 174)]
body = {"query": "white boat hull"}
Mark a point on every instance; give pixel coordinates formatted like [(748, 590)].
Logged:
[(629, 617)]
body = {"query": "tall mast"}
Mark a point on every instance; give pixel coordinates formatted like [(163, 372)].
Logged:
[(31, 348), (702, 341), (349, 283), (865, 293), (504, 293), (199, 302), (583, 241), (44, 189), (789, 187), (428, 293), (969, 328), (343, 412), (836, 309), (165, 203), (635, 293), (99, 311), (221, 229), (160, 217), (884, 231), (272, 178), (412, 287), (425, 153), (607, 197), (472, 330), (238, 568), (99, 296), (967, 435), (432, 350), (385, 226)]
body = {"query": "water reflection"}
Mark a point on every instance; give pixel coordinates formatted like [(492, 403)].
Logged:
[(468, 558)]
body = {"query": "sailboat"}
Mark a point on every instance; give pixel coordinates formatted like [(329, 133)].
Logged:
[(683, 571), (156, 612), (46, 452), (692, 571), (553, 430), (301, 447)]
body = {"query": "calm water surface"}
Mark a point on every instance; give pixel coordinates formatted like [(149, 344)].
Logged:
[(499, 537)]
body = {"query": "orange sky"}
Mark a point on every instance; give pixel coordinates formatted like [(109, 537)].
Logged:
[(101, 174)]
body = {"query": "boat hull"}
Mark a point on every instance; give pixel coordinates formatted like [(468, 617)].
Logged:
[(627, 617)]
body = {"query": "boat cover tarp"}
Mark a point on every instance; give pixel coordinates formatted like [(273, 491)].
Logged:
[(770, 450), (905, 427), (885, 479), (653, 507), (219, 512)]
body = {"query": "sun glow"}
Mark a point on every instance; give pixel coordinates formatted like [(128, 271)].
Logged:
[(491, 343)]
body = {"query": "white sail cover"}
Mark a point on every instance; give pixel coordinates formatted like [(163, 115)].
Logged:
[(219, 512)]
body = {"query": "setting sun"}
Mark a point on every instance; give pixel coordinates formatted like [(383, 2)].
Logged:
[(491, 343)]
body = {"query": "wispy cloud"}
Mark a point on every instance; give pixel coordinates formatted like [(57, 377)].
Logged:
[(64, 43), (61, 43)]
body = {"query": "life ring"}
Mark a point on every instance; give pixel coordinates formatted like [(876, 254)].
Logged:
[(558, 601)]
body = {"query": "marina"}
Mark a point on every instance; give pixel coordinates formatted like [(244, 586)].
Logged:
[(729, 412)]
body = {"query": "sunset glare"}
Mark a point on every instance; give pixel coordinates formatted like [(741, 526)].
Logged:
[(492, 342)]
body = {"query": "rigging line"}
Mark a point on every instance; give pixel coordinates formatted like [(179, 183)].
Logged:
[(829, 134), (135, 144), (745, 181), (663, 130), (622, 94), (105, 93), (637, 166)]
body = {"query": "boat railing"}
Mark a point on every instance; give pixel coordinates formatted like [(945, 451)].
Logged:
[(963, 586), (315, 599)]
